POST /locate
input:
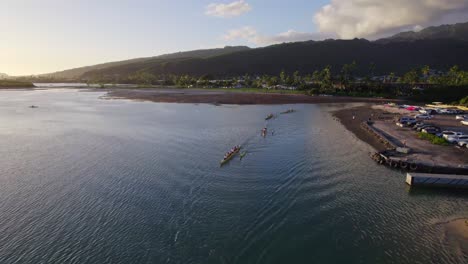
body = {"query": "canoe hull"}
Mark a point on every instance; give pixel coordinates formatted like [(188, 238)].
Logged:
[(224, 161)]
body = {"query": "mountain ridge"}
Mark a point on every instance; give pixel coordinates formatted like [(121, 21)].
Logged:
[(202, 53), (446, 44)]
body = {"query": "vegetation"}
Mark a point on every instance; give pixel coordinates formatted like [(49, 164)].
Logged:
[(433, 139), (305, 57), (464, 101), (15, 84)]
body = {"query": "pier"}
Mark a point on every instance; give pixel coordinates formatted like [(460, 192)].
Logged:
[(437, 180)]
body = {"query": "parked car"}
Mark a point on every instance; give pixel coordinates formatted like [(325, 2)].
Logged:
[(402, 124), (420, 128), (427, 111), (447, 134), (431, 130), (423, 116), (464, 122), (463, 143), (461, 117), (419, 123), (407, 119), (455, 139)]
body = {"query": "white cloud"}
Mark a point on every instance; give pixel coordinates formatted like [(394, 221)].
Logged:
[(240, 33), (233, 9), (251, 35), (370, 18)]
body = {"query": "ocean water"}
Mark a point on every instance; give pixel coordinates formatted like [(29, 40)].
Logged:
[(87, 180)]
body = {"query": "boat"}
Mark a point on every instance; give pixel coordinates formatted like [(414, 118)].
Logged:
[(230, 156), (242, 155), (34, 106), (288, 111), (270, 116)]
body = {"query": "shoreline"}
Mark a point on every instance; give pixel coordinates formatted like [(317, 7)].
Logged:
[(199, 96), (361, 113)]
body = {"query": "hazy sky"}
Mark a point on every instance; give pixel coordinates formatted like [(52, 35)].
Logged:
[(40, 36)]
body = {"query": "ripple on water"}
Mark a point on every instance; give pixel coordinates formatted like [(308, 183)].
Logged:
[(141, 183)]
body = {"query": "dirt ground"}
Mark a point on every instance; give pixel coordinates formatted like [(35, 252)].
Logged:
[(221, 97)]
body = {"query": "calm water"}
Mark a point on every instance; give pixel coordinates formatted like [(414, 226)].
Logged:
[(85, 180)]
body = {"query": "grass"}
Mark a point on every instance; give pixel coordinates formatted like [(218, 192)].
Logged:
[(15, 84), (233, 90), (253, 90), (433, 139)]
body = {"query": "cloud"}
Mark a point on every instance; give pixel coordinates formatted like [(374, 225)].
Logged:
[(371, 18), (251, 35), (233, 9)]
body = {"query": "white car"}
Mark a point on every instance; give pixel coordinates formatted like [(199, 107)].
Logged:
[(423, 116), (463, 143), (447, 134), (464, 122), (425, 110), (456, 139), (461, 117)]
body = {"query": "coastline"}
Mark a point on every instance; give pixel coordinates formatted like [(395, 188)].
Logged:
[(199, 96), (361, 114)]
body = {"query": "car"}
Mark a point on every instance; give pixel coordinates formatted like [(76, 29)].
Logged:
[(455, 139), (418, 125), (407, 119), (423, 116), (402, 124), (461, 117), (447, 134), (427, 111), (420, 128), (464, 122), (431, 130), (463, 143)]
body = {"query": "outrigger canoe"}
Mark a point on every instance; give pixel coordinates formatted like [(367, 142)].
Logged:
[(270, 116), (288, 111), (228, 158)]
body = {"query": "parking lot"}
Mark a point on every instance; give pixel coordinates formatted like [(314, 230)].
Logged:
[(423, 150)]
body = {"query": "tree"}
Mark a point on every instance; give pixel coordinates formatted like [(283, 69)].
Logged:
[(327, 81), (283, 77), (392, 76), (425, 70), (372, 69), (454, 76), (297, 80), (347, 73), (411, 77), (272, 81)]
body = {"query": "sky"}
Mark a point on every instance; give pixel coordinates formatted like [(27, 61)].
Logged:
[(42, 36)]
